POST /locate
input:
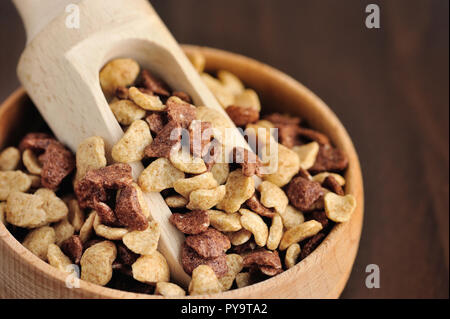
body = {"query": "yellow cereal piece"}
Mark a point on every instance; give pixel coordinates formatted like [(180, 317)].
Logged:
[(146, 101), (168, 289), (240, 237), (273, 197), (76, 214), (143, 242), (204, 281), (248, 98), (204, 199), (54, 207), (220, 172), (176, 201), (9, 159), (126, 111), (90, 155), (292, 254), (185, 186), (38, 240), (322, 176), (256, 225), (222, 94), (185, 162), (225, 222), (198, 60), (11, 181), (118, 73), (288, 164), (292, 217), (239, 188), (231, 83), (130, 148), (111, 233), (31, 162), (25, 210), (275, 233), (63, 230), (339, 208), (159, 175), (151, 269), (88, 227), (235, 264), (300, 232), (96, 263), (307, 154), (57, 259), (243, 279)]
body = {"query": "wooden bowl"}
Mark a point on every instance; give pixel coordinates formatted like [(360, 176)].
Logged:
[(323, 274)]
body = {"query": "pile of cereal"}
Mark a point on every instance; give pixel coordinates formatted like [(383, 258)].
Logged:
[(81, 210)]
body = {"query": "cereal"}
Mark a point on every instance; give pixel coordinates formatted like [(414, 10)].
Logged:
[(54, 207), (288, 165), (146, 101), (185, 186), (25, 210), (159, 175), (235, 264), (311, 244), (118, 73), (36, 141), (320, 216), (191, 260), (333, 185), (9, 159), (156, 122), (57, 259), (206, 198), (63, 230), (267, 261), (216, 118), (255, 224), (180, 112), (186, 163), (111, 233), (300, 232), (124, 255), (224, 222), (273, 197), (130, 148), (73, 248), (248, 99), (3, 213), (183, 96), (254, 204), (88, 227), (153, 84), (31, 162), (275, 233), (292, 217), (241, 116), (168, 289), (239, 188), (128, 209), (302, 193), (198, 60), (38, 239), (126, 111), (151, 269), (243, 279), (249, 161), (240, 237), (96, 263), (200, 135), (220, 172), (223, 96), (58, 162), (76, 214), (90, 155), (145, 210), (209, 244), (143, 242), (307, 154), (35, 181), (313, 135), (261, 131), (292, 254), (192, 223), (166, 141), (329, 159), (176, 201), (204, 281), (339, 208), (11, 181), (322, 176), (230, 82)]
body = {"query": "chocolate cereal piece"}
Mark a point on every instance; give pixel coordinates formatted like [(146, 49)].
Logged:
[(128, 209), (267, 261), (241, 116), (105, 213), (58, 162), (250, 162), (254, 204), (332, 184), (329, 159), (36, 141), (191, 260), (313, 135), (122, 93), (156, 122), (180, 112), (209, 244), (283, 119), (124, 255), (73, 248), (153, 84), (192, 223), (320, 216), (288, 135), (165, 141), (200, 136), (183, 96), (311, 244), (302, 193)]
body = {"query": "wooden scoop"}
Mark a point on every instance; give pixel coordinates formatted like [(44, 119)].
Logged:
[(60, 67)]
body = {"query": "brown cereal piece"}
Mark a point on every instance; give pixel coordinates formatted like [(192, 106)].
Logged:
[(180, 112), (185, 186), (12, 181), (57, 259), (151, 269), (9, 159), (313, 135), (235, 264), (249, 161), (242, 116), (126, 111), (299, 233), (292, 254), (329, 159), (256, 225), (167, 140), (206, 198), (168, 289), (159, 175), (73, 248), (31, 162), (143, 242), (122, 93), (311, 244), (302, 193), (58, 162), (63, 231), (339, 208), (269, 260), (287, 135), (192, 223), (200, 135), (191, 260), (38, 240), (145, 100), (320, 216), (125, 256), (87, 228), (244, 248), (128, 210), (105, 214), (321, 177), (90, 155), (96, 263), (204, 281), (239, 188), (224, 222), (25, 210), (153, 84), (54, 207), (277, 119), (76, 214), (156, 122), (332, 184), (118, 73), (272, 196), (209, 244), (183, 96), (288, 164), (36, 141), (130, 148), (111, 233), (254, 204)]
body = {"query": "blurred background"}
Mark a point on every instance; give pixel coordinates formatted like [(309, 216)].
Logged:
[(389, 87)]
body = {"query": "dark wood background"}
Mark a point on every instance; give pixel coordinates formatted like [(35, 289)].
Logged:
[(388, 86)]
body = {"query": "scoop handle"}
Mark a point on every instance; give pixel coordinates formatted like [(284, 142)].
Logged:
[(36, 14)]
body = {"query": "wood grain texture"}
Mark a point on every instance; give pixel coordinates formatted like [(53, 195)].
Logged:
[(389, 87)]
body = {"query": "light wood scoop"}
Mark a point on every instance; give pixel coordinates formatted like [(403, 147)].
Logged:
[(60, 67)]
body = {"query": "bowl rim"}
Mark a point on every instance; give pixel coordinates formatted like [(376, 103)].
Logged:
[(105, 292)]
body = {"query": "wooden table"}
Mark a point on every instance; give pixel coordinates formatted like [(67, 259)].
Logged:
[(389, 86)]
